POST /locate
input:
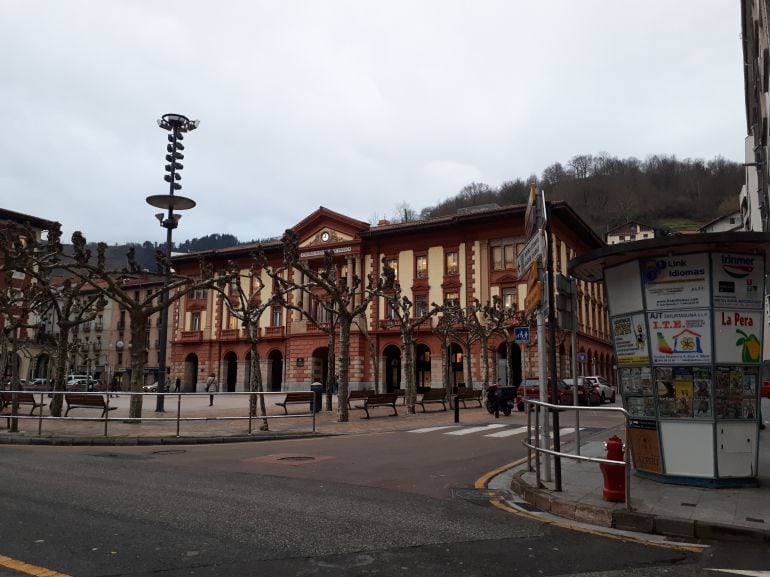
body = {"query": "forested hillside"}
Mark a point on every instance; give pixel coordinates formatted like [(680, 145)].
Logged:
[(607, 191)]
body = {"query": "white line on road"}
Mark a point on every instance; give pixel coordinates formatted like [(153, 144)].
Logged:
[(475, 430), (508, 432), (431, 429)]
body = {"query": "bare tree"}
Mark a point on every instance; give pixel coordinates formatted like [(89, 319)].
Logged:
[(347, 301), (241, 294), (400, 313)]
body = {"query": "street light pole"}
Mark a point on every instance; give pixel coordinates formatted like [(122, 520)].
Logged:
[(177, 125)]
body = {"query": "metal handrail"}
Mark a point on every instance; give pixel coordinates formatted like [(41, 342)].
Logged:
[(626, 463), (178, 418)]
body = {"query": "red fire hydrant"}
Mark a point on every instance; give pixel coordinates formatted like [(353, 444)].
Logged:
[(614, 475)]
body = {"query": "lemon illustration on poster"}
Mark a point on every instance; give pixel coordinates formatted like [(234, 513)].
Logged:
[(677, 282), (738, 336), (738, 280)]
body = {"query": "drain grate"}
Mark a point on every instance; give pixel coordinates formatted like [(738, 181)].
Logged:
[(753, 520), (526, 506), (297, 458), (689, 505), (169, 452), (478, 494)]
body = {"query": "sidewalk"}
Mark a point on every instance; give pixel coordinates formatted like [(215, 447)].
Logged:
[(659, 508)]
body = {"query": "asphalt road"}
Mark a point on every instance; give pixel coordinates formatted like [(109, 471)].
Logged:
[(385, 504)]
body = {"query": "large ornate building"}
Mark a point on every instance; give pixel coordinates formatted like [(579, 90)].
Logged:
[(455, 258)]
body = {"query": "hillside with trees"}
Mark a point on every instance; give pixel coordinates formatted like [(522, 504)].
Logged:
[(607, 191)]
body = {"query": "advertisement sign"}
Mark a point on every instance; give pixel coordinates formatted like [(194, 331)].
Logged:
[(738, 336), (624, 291), (676, 282), (737, 280), (630, 333), (680, 337), (645, 446)]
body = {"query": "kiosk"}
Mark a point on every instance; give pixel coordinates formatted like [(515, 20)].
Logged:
[(687, 320)]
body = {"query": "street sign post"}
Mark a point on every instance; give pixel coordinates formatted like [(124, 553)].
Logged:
[(581, 358), (521, 335), (530, 254)]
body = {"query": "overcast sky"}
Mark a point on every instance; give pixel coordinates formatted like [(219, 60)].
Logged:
[(354, 105)]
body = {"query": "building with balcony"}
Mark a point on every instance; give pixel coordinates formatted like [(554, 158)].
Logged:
[(455, 258)]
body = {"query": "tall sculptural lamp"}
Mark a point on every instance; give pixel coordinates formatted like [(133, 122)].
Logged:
[(176, 125)]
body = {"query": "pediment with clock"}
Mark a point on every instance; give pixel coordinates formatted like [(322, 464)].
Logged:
[(325, 227)]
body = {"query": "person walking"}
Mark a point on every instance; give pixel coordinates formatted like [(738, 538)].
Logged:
[(177, 384), (211, 386), (114, 386)]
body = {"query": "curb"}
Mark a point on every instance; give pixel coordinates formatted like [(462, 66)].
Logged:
[(546, 501), (153, 441)]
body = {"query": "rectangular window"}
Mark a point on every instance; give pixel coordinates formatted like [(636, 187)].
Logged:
[(421, 266), (233, 322), (497, 258), (452, 263), (509, 298), (420, 306), (508, 258), (199, 294), (452, 299), (503, 257), (277, 316), (393, 263), (195, 321), (390, 310)]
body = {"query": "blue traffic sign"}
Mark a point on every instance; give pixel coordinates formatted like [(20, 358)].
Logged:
[(521, 335)]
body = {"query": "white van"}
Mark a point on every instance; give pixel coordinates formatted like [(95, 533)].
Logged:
[(603, 388)]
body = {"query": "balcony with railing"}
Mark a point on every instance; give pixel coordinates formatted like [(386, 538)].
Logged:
[(191, 336), (321, 328), (98, 327), (273, 332), (389, 325), (230, 334)]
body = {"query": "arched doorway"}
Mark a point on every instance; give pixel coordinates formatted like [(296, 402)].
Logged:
[(392, 355), (422, 366), (41, 368), (502, 366), (320, 366), (275, 370), (190, 381), (231, 371)]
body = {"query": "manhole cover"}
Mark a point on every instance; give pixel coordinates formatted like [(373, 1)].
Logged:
[(296, 458)]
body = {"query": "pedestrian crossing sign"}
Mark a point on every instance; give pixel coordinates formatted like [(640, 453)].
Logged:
[(521, 335)]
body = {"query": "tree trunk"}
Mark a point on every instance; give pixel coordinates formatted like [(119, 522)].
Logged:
[(14, 384), (408, 371), (467, 367), (342, 394), (138, 350), (330, 372), (256, 383), (484, 364), (59, 379), (509, 364)]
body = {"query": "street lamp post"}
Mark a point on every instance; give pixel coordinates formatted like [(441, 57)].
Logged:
[(176, 125)]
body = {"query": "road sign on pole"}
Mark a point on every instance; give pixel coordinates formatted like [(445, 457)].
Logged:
[(521, 335), (530, 254), (581, 357)]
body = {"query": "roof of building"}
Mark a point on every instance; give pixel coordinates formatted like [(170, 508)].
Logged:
[(625, 224), (21, 218)]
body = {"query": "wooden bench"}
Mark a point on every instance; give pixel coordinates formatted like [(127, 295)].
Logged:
[(297, 398), (361, 395), (464, 394), (21, 399), (433, 396), (77, 401), (401, 395), (380, 400)]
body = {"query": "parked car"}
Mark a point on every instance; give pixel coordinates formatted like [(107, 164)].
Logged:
[(766, 389), (153, 388), (588, 394), (38, 385), (80, 383), (530, 389), (606, 391)]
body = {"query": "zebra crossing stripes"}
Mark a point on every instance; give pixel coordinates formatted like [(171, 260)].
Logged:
[(472, 430), (508, 432), (431, 429)]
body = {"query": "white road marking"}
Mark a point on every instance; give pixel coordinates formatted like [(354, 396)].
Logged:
[(431, 429), (474, 430), (508, 432), (743, 572)]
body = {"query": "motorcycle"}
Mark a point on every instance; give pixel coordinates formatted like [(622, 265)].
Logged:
[(500, 400)]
